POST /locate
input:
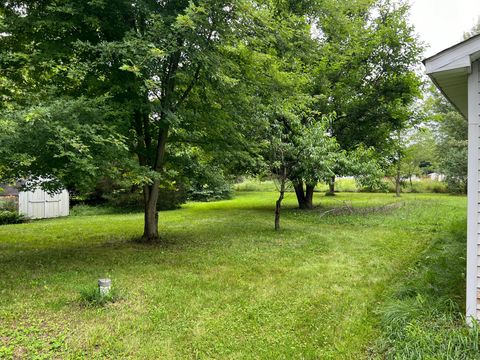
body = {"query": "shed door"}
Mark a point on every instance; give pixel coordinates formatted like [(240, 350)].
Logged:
[(39, 204)]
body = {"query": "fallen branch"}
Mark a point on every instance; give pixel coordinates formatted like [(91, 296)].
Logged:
[(347, 208)]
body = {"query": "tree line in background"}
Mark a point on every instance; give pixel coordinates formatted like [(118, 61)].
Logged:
[(162, 99)]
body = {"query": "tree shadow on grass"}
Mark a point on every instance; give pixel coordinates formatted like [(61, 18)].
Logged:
[(98, 253)]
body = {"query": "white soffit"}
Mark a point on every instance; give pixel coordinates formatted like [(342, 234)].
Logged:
[(449, 71)]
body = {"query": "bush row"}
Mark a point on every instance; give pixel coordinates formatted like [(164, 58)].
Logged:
[(10, 217)]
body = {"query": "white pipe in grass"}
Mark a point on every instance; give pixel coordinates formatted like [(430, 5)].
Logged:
[(104, 286)]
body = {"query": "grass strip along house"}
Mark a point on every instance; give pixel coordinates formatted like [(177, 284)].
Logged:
[(456, 72)]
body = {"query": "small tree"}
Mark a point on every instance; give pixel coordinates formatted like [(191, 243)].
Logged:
[(420, 157), (299, 146)]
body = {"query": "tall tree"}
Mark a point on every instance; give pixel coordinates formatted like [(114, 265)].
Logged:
[(143, 58), (365, 72)]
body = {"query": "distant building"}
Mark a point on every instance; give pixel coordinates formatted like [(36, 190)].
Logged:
[(436, 177), (36, 204)]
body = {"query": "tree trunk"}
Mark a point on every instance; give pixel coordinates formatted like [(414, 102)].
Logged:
[(397, 182), (331, 186), (278, 205), (150, 229), (152, 155), (309, 196), (304, 198), (150, 193), (398, 188), (299, 192)]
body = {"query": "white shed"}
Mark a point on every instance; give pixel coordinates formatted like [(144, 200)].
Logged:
[(39, 204), (456, 72), (35, 204)]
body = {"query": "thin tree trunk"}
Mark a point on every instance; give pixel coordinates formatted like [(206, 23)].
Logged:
[(278, 205), (309, 196), (299, 192), (150, 193), (397, 181), (399, 167)]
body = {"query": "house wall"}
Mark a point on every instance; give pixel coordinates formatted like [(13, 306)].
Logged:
[(473, 224), (39, 204)]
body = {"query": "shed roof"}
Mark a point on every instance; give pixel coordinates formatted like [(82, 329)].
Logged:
[(8, 190), (449, 70)]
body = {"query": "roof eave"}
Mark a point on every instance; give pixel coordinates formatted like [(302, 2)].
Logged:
[(449, 71)]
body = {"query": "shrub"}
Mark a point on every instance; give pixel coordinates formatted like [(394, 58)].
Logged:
[(207, 193), (8, 203), (167, 200), (11, 217), (208, 183)]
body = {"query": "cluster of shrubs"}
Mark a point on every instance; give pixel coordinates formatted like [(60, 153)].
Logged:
[(423, 186), (169, 199), (10, 217), (9, 213), (201, 185)]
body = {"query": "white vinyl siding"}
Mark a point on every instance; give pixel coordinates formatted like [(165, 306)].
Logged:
[(473, 233), (476, 105)]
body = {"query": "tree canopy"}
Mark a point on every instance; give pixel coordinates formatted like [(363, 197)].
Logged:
[(152, 92)]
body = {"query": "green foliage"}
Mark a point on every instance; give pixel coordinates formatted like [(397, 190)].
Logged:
[(201, 179), (453, 148), (221, 192), (130, 201), (9, 204), (452, 142), (123, 88), (68, 142), (423, 185), (366, 73), (364, 164), (305, 149), (420, 154), (11, 217), (155, 69)]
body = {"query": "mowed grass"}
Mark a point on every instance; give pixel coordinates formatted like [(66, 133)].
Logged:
[(223, 284)]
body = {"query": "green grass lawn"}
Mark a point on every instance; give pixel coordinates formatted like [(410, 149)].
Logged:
[(223, 285)]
